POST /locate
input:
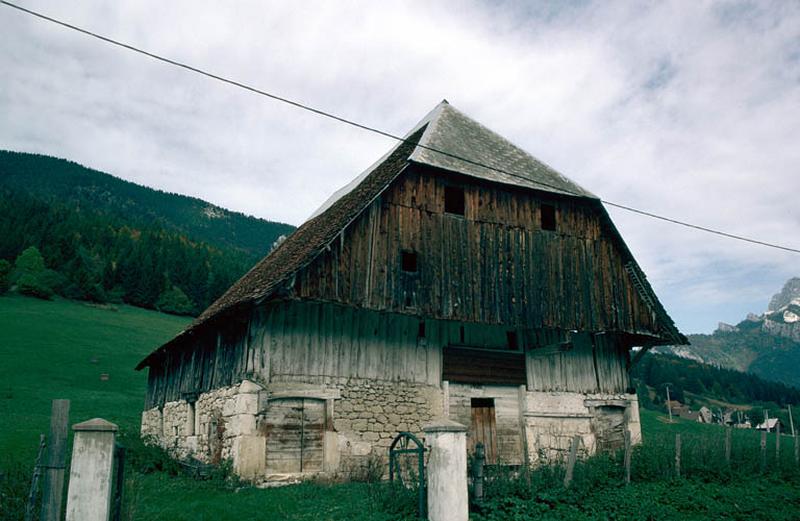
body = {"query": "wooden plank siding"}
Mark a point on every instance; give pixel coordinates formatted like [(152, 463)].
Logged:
[(312, 342), (493, 265), (354, 313), (303, 341)]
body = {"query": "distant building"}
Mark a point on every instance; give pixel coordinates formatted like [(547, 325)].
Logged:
[(704, 415), (769, 425)]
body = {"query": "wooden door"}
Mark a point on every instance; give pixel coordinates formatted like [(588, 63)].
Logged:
[(294, 428), (609, 427), (482, 427)]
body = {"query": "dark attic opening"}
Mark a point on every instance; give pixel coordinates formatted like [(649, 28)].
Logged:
[(511, 337), (548, 217), (408, 261), (454, 200)]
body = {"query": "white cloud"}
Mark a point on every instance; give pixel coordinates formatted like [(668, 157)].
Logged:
[(682, 108)]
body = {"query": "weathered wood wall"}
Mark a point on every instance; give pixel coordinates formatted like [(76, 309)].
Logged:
[(313, 342), (493, 265), (302, 341), (594, 364)]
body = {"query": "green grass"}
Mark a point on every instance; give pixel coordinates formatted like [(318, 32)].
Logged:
[(59, 349), (152, 497)]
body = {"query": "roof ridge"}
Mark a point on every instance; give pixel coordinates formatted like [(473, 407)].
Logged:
[(458, 143)]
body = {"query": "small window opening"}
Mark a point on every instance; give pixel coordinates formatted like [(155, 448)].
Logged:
[(481, 402), (511, 336), (454, 200), (461, 335), (548, 217), (421, 330), (407, 301), (190, 419), (409, 261)]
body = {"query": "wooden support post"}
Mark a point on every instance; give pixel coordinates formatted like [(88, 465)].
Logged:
[(678, 455), (53, 490), (627, 456), (37, 470), (728, 431), (477, 471), (763, 451), (573, 455), (791, 420), (796, 451), (522, 402), (119, 481), (778, 444), (669, 404)]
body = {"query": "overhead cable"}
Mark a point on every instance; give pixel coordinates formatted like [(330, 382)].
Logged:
[(380, 132)]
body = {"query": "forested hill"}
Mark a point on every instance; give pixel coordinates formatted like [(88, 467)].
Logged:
[(83, 234), (67, 183), (690, 376)]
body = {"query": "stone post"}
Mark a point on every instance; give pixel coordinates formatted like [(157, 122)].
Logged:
[(248, 447), (89, 492), (447, 471)]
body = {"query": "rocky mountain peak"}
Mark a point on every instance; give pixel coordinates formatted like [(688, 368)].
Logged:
[(790, 292)]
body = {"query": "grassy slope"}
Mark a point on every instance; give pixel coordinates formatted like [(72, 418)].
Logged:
[(46, 350)]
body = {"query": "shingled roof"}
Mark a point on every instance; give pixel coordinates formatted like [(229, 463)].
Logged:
[(445, 139)]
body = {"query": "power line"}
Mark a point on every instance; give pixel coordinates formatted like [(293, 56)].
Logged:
[(374, 130), (701, 228)]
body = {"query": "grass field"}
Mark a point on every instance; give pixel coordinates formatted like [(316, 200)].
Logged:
[(59, 349)]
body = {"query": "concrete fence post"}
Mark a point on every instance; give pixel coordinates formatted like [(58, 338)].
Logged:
[(447, 471), (89, 492)]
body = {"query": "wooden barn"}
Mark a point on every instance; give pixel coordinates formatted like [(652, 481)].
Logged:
[(459, 277)]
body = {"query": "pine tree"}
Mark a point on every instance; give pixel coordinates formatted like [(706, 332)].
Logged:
[(5, 275)]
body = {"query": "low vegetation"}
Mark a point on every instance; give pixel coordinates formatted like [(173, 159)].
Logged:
[(708, 488)]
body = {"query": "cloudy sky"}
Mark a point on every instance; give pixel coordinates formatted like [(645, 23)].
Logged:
[(686, 109)]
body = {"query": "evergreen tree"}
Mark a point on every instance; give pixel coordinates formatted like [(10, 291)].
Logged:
[(5, 275)]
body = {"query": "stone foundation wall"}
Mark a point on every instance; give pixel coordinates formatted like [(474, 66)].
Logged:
[(211, 428), (366, 416), (552, 419), (370, 414)]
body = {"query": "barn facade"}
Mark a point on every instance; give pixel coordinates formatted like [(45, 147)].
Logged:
[(458, 277)]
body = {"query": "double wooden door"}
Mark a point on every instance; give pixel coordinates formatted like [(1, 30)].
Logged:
[(294, 429)]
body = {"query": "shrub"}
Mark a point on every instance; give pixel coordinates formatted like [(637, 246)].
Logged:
[(29, 284), (174, 301), (30, 261), (370, 470)]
